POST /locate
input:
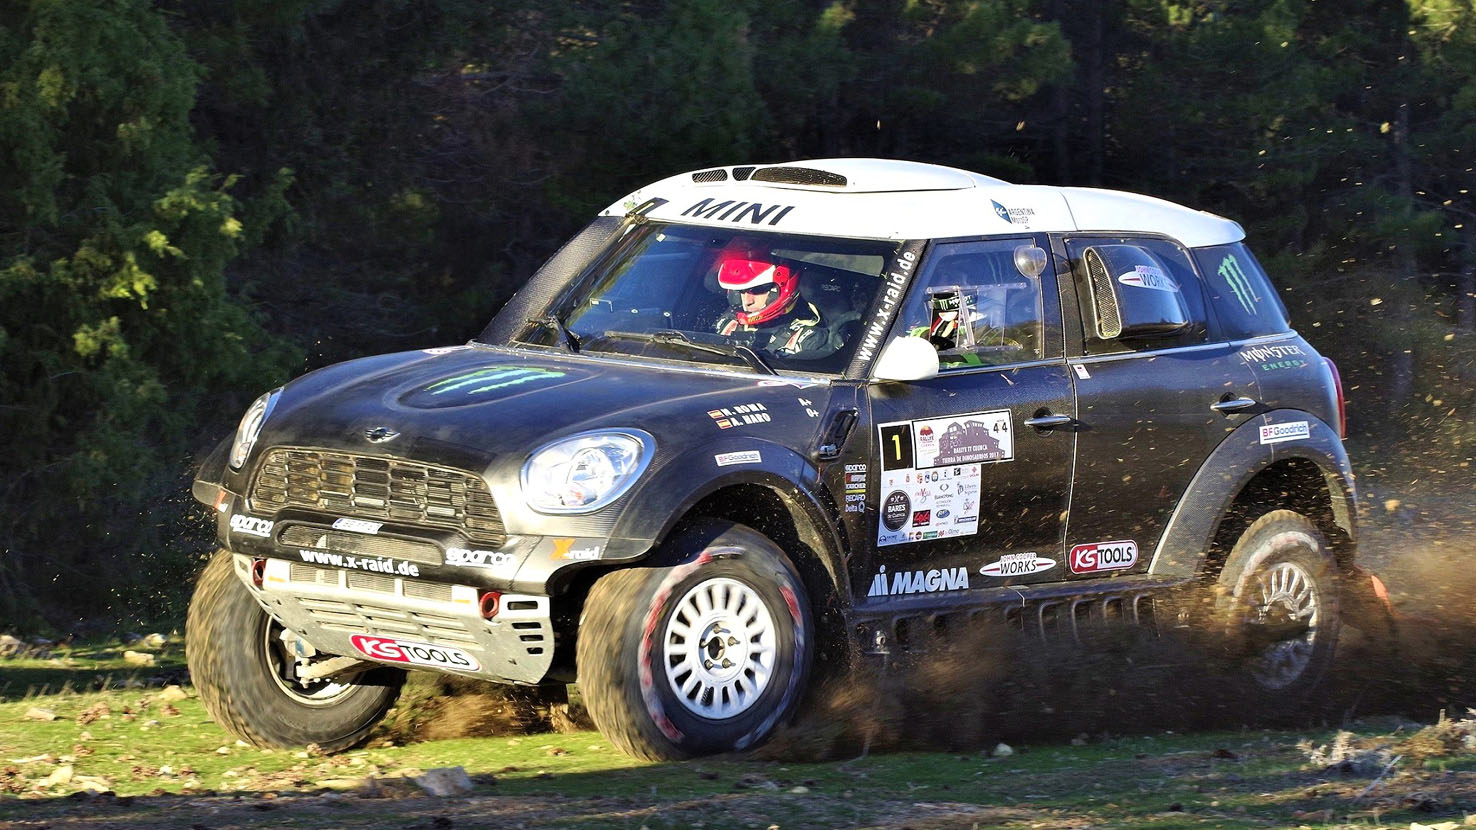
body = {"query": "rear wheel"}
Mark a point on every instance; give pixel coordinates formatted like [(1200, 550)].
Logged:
[(707, 656), (1278, 600), (244, 665)]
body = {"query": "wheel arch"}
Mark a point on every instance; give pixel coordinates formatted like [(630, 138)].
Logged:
[(1243, 479)]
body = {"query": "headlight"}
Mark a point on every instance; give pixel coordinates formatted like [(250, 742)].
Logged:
[(585, 472), (251, 427)]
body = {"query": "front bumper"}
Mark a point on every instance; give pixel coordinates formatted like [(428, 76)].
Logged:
[(335, 609)]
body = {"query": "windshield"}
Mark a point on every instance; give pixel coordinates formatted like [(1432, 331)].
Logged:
[(733, 297)]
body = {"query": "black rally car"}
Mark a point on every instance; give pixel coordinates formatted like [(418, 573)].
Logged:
[(752, 415)]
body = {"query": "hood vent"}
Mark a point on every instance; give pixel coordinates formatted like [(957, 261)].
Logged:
[(799, 175), (709, 176)]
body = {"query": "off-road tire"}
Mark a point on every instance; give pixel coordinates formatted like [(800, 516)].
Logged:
[(229, 666), (624, 634), (1282, 554)]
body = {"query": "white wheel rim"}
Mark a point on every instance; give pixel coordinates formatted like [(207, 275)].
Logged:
[(279, 663), (1285, 592), (720, 648)]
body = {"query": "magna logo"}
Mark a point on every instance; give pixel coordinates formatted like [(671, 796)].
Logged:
[(1104, 556), (420, 654)]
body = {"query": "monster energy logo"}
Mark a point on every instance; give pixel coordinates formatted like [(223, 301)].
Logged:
[(486, 380), (1239, 284)]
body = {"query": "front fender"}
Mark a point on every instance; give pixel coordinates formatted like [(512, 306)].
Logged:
[(1239, 458), (667, 497)]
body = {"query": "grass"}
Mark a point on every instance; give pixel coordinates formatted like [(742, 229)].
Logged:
[(161, 757)]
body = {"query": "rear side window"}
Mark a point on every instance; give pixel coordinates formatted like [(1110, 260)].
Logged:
[(1244, 300)]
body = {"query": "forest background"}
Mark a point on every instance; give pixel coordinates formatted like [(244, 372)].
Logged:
[(200, 199)]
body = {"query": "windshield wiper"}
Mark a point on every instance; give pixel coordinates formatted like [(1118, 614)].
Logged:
[(569, 339), (670, 336)]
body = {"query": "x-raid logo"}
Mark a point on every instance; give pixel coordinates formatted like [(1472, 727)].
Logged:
[(731, 211)]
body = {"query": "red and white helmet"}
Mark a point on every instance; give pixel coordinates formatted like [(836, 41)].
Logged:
[(739, 273)]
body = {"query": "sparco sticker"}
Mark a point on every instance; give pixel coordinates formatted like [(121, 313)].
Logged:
[(1018, 564), (420, 654), (251, 526), (1104, 556), (480, 558), (1276, 433)]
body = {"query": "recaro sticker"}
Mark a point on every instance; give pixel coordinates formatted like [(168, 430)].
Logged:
[(1018, 564), (1103, 556), (1276, 433), (407, 651)]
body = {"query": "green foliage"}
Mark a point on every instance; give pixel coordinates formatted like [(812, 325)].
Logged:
[(119, 335)]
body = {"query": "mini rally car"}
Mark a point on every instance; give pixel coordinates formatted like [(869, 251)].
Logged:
[(751, 415)]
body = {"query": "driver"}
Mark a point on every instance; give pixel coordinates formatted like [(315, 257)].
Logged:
[(767, 311)]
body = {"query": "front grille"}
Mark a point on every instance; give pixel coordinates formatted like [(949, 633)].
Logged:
[(378, 488), (359, 544)]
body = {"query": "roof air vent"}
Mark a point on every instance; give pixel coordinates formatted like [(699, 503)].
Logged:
[(799, 175), (742, 173), (706, 176)]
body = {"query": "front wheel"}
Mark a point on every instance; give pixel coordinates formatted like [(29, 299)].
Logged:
[(707, 656), (245, 671), (1278, 600)]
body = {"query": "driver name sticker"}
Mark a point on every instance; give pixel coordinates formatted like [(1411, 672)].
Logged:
[(391, 650), (740, 415)]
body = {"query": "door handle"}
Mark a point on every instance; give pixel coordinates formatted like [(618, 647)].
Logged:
[(1048, 421), (1231, 405)]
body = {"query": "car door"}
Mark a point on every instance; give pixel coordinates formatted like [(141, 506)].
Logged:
[(1149, 412), (970, 495)]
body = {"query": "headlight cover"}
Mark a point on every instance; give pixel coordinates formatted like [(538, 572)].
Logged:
[(250, 427), (585, 472)]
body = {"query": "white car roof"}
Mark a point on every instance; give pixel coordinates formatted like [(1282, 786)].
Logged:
[(887, 199)]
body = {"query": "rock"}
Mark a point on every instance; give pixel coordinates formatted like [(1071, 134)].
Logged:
[(60, 775), (445, 781), (343, 784), (10, 646), (223, 750), (138, 658), (1002, 750), (155, 640), (37, 713), (800, 790), (173, 693)]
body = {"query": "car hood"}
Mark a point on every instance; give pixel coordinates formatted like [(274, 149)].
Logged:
[(471, 407)]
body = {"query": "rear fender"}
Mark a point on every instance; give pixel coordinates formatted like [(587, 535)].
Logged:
[(1184, 547)]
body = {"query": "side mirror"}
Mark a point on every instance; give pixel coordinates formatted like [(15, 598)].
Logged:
[(907, 358), (1133, 294)]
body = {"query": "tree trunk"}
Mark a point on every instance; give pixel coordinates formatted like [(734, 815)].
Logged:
[(1466, 289), (1096, 90), (1402, 359)]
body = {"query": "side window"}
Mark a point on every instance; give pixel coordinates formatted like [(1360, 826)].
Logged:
[(1244, 299), (975, 306), (1174, 260)]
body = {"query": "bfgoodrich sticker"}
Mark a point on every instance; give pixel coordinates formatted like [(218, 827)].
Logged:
[(1276, 433)]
